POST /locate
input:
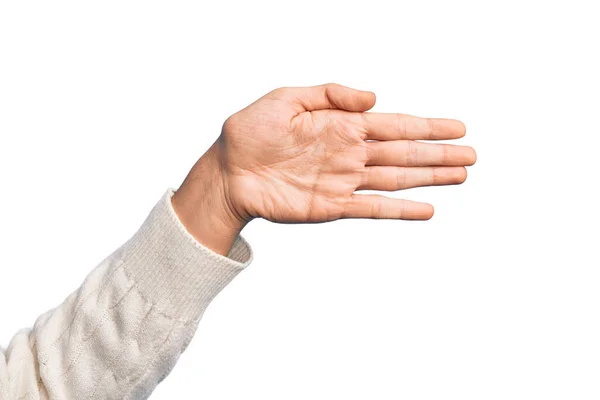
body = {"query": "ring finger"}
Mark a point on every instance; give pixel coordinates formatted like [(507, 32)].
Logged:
[(398, 178), (409, 153)]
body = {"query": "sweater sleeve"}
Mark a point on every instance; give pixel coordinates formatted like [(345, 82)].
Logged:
[(122, 331)]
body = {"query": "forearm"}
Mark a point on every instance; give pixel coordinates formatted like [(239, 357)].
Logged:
[(123, 330)]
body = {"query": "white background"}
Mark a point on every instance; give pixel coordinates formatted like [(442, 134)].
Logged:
[(103, 105)]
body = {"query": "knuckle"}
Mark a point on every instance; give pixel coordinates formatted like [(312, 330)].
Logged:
[(364, 178), (400, 124), (412, 153), (376, 208), (435, 176), (431, 135), (402, 209), (369, 152), (332, 85), (231, 123), (279, 92), (445, 154), (401, 178)]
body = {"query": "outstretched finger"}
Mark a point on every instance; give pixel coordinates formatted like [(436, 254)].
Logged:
[(399, 178), (409, 153), (381, 207), (384, 126), (329, 96)]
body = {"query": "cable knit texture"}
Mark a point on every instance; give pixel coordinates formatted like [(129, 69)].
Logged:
[(122, 331)]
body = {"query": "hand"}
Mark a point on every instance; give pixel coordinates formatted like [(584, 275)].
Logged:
[(299, 155)]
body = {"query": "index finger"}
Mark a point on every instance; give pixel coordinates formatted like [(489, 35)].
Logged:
[(388, 126)]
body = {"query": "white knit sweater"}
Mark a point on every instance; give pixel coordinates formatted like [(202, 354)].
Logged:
[(120, 333)]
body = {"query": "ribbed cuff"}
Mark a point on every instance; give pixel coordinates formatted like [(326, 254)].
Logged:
[(174, 271)]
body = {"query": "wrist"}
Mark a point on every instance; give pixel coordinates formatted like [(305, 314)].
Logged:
[(203, 205)]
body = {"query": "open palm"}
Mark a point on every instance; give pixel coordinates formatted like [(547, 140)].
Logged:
[(299, 155)]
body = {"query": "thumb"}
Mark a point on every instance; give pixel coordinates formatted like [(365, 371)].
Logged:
[(328, 96)]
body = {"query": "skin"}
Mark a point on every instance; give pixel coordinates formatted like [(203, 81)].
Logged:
[(298, 155)]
